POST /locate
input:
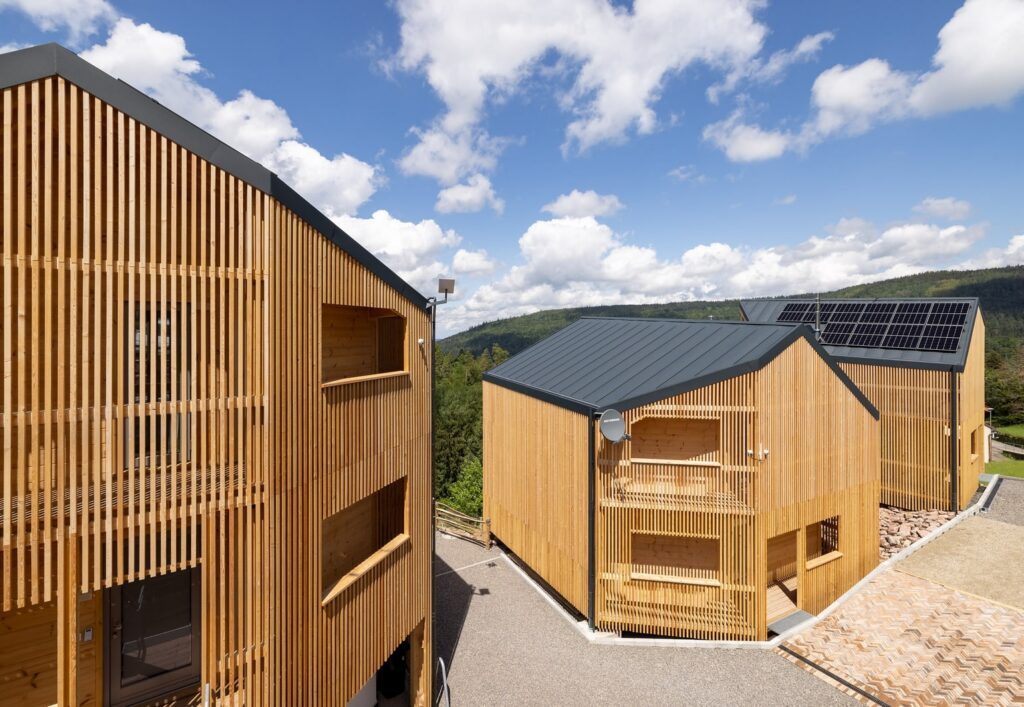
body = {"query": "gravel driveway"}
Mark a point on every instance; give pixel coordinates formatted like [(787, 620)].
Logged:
[(505, 645)]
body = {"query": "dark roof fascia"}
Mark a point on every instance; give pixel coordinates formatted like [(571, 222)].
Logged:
[(695, 383), (541, 394), (46, 60)]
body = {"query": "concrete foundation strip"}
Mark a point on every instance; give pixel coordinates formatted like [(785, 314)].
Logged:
[(605, 638)]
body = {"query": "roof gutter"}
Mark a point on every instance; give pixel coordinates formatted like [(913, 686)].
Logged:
[(954, 443), (591, 502)]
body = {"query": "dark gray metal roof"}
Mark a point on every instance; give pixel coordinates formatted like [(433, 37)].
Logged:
[(618, 362), (768, 311), (54, 60)]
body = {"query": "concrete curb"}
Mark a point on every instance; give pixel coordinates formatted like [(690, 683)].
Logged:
[(610, 639)]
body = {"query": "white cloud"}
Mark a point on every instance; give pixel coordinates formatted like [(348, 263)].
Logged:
[(688, 173), (570, 262), (472, 262), (584, 203), (947, 208), (742, 142), (1012, 254), (448, 157), (12, 47), (979, 62), (616, 60), (413, 250), (476, 194), (79, 17), (160, 64), (772, 69), (787, 200)]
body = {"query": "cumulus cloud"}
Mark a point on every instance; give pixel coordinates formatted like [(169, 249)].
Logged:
[(979, 62), (412, 250), (581, 261), (743, 142), (79, 18), (584, 203), (1012, 254), (160, 64), (947, 208), (472, 262), (476, 194), (615, 60)]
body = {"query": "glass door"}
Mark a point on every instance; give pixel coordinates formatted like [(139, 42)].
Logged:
[(153, 637)]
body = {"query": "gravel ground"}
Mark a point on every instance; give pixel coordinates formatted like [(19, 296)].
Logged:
[(981, 556), (1008, 504), (505, 644)]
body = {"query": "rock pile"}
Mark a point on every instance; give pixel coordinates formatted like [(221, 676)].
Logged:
[(898, 529)]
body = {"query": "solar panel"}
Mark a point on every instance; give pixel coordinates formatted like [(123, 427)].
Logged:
[(913, 326)]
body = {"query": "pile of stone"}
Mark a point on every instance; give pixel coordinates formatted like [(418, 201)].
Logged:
[(898, 529)]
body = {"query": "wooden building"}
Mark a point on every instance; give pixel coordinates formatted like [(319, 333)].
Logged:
[(215, 419), (922, 364), (747, 489)]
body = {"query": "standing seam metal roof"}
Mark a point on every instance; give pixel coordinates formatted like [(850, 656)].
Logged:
[(603, 362), (48, 60), (768, 311)]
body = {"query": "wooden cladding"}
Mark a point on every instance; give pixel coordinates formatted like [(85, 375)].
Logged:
[(535, 486), (162, 410)]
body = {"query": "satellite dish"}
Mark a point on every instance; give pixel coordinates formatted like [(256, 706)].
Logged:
[(613, 427)]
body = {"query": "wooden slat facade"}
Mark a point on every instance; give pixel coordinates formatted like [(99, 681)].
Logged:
[(218, 449), (916, 405), (682, 546)]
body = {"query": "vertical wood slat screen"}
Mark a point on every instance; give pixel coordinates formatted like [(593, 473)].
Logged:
[(161, 409)]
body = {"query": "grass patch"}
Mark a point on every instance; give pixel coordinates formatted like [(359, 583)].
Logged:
[(1008, 467), (1012, 431)]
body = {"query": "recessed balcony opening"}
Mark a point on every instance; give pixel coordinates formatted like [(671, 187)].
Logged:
[(823, 542), (361, 343), (678, 559), (359, 537), (668, 440)]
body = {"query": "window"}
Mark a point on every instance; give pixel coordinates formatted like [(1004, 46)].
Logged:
[(823, 542), (362, 535), (361, 342), (680, 559), (975, 443), (675, 440), (152, 637), (157, 369)]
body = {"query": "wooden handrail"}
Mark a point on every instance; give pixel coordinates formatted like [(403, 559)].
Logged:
[(362, 379), (453, 522)]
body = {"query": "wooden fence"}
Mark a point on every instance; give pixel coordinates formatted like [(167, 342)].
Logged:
[(453, 522)]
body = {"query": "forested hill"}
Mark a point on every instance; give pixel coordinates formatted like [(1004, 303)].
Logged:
[(1001, 291)]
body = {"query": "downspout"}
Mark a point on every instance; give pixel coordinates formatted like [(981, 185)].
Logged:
[(954, 440), (591, 501), (433, 516)]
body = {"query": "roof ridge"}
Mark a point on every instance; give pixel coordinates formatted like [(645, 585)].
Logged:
[(678, 320)]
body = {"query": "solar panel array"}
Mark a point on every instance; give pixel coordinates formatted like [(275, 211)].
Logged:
[(916, 326)]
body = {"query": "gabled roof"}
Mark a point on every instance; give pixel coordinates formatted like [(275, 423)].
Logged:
[(47, 60), (911, 355), (618, 362)]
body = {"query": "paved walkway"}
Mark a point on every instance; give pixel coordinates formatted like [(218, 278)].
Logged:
[(506, 645), (944, 626)]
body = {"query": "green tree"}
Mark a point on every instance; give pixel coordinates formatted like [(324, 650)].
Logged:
[(467, 493)]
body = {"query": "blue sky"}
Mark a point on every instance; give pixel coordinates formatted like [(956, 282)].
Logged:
[(703, 150)]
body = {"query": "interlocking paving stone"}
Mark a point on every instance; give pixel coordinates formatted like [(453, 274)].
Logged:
[(910, 641)]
